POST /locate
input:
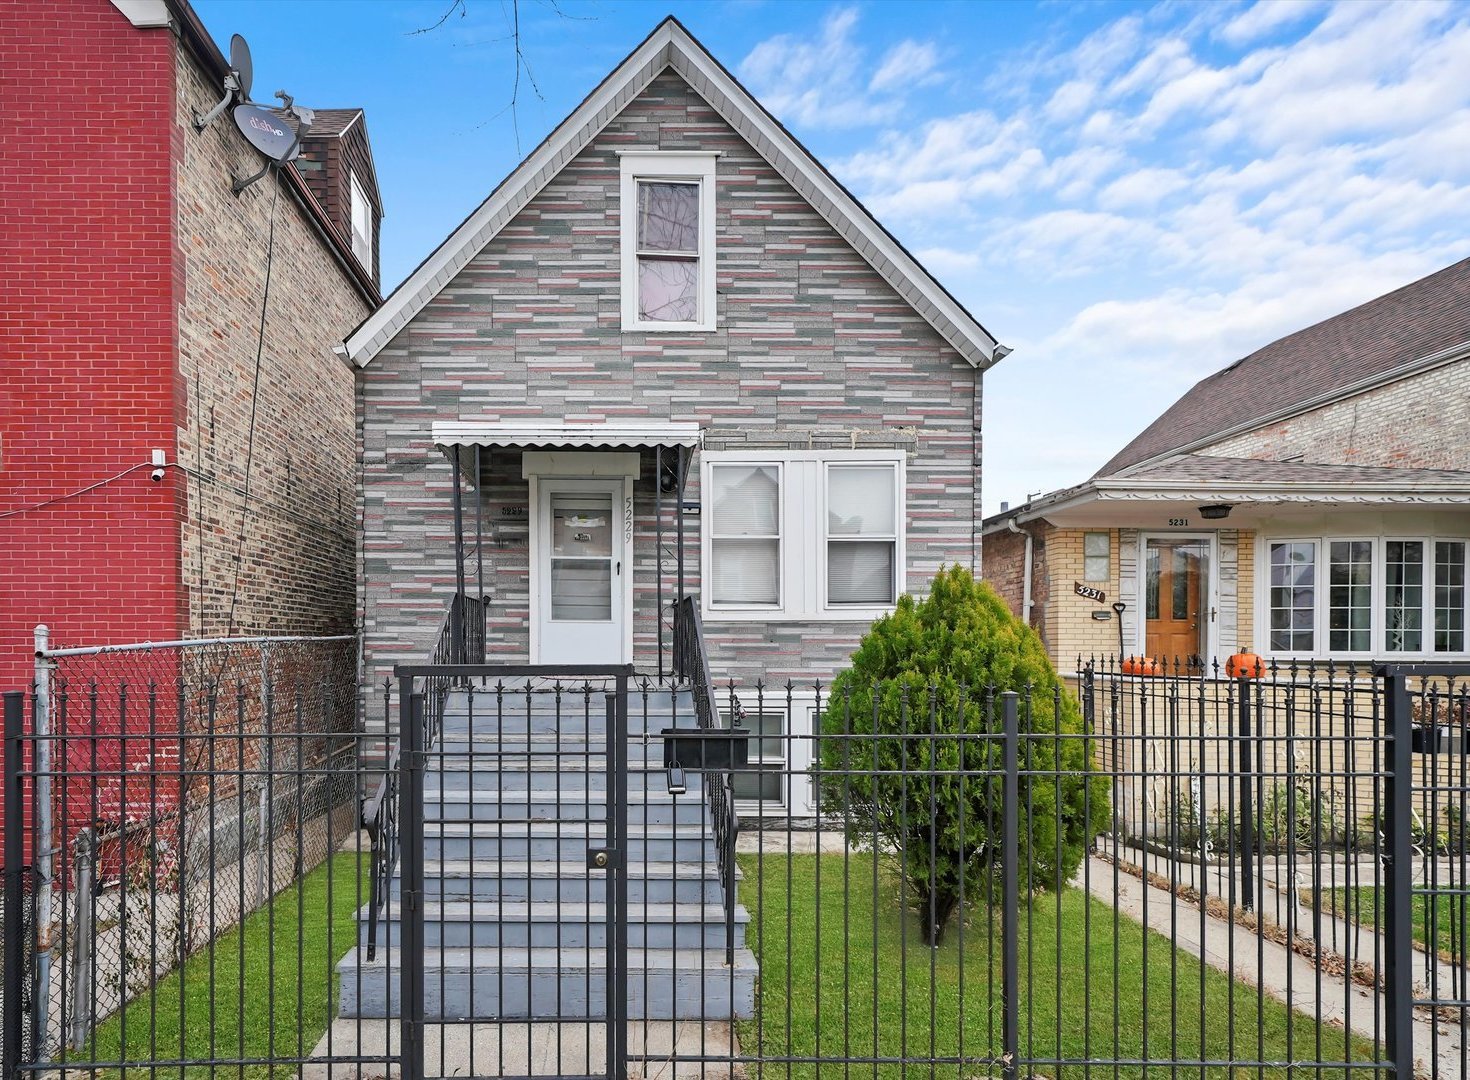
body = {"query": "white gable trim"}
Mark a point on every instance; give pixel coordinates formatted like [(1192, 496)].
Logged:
[(671, 46)]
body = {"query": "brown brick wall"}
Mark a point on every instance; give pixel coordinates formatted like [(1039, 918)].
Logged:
[(1005, 566), (1419, 422), (296, 568)]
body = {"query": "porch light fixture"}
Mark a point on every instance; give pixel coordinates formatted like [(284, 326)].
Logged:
[(1215, 511)]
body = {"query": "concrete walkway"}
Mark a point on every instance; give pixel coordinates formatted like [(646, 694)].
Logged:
[(1257, 961)]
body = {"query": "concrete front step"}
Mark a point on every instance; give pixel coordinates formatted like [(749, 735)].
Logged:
[(512, 778), (490, 841), (569, 881), (528, 984), (571, 716), (644, 807), (547, 924)]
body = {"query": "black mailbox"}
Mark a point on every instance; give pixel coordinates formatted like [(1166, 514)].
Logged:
[(706, 749)]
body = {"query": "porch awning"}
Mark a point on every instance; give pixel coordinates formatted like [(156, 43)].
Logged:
[(547, 433)]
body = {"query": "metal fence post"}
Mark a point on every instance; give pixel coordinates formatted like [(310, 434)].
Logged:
[(411, 857), (10, 1041), (1010, 857), (1397, 875), (83, 954), (45, 845), (1247, 812)]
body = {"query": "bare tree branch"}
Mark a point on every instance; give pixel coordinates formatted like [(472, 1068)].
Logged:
[(457, 5)]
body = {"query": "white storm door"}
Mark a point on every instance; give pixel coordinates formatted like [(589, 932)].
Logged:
[(579, 591)]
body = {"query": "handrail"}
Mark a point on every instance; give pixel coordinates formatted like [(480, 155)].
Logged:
[(461, 641), (691, 666)]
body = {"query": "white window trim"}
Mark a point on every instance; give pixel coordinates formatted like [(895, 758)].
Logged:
[(684, 168), (1379, 637), (802, 723), (803, 508)]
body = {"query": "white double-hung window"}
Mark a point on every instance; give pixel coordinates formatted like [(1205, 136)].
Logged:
[(802, 534), (668, 241)]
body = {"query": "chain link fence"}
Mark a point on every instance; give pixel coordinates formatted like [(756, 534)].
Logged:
[(180, 786)]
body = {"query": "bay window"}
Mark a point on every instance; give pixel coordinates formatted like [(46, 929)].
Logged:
[(802, 534), (1386, 595)]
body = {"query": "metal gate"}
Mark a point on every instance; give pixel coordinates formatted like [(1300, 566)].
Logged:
[(509, 905)]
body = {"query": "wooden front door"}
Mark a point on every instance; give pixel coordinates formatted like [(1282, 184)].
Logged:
[(1174, 600)]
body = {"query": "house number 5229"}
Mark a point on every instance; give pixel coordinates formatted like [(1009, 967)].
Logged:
[(1180, 523)]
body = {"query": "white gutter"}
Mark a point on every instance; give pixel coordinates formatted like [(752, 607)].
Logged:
[(1026, 603)]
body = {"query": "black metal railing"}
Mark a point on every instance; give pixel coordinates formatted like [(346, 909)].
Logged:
[(691, 667), (461, 641)]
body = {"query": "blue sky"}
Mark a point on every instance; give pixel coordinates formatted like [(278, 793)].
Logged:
[(1129, 195)]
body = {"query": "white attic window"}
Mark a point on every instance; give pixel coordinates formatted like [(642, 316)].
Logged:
[(668, 241), (362, 224)]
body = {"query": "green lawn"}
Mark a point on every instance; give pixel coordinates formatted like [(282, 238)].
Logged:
[(288, 986), (1076, 1003), (1364, 905)]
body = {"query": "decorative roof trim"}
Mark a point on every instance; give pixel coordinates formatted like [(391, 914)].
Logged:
[(671, 46), (548, 433)]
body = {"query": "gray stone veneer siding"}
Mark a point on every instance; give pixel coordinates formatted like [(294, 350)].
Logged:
[(812, 348)]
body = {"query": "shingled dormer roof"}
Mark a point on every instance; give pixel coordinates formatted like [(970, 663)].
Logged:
[(672, 48), (1374, 342)]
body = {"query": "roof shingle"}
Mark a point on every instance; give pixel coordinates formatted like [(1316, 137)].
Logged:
[(1412, 323)]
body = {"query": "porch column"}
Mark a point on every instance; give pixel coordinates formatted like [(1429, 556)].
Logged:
[(456, 607)]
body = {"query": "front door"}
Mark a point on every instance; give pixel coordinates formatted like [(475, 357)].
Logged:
[(1174, 600), (578, 588)]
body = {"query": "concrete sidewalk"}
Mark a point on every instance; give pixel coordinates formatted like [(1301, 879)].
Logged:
[(1245, 955)]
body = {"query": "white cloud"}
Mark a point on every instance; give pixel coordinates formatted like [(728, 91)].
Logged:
[(824, 82), (909, 63), (1265, 17), (1177, 188)]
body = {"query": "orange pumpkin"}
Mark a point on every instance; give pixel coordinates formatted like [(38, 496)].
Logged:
[(1245, 665), (1140, 665)]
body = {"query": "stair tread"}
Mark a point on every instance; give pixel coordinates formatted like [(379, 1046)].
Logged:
[(434, 793), (551, 959), (683, 870), (582, 912), (516, 829)]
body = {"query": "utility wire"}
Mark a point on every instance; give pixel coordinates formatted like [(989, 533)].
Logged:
[(270, 252), (74, 494)]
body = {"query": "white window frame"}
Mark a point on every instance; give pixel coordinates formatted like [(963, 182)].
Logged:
[(708, 521), (1375, 595), (803, 509), (682, 167), (798, 796), (1322, 649), (359, 194)]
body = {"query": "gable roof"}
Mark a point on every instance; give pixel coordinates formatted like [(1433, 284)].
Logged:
[(672, 47), (1422, 323)]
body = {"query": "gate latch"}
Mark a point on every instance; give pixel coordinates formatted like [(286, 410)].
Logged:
[(602, 858)]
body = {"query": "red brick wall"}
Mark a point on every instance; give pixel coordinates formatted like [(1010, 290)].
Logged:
[(87, 329)]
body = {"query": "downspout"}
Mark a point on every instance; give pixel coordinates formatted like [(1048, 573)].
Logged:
[(1026, 570)]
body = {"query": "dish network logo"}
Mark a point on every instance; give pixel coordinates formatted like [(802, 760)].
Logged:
[(260, 125)]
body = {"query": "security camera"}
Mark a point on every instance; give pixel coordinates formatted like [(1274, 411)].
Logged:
[(157, 475), (160, 460)]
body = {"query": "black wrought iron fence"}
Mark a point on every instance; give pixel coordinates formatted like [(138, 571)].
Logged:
[(1119, 876)]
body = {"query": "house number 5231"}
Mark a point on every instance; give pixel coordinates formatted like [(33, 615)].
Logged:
[(1179, 523)]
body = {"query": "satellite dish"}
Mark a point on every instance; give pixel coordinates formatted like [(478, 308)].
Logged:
[(266, 131), (240, 63)]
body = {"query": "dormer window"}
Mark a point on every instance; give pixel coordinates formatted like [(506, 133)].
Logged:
[(668, 241), (362, 225)]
